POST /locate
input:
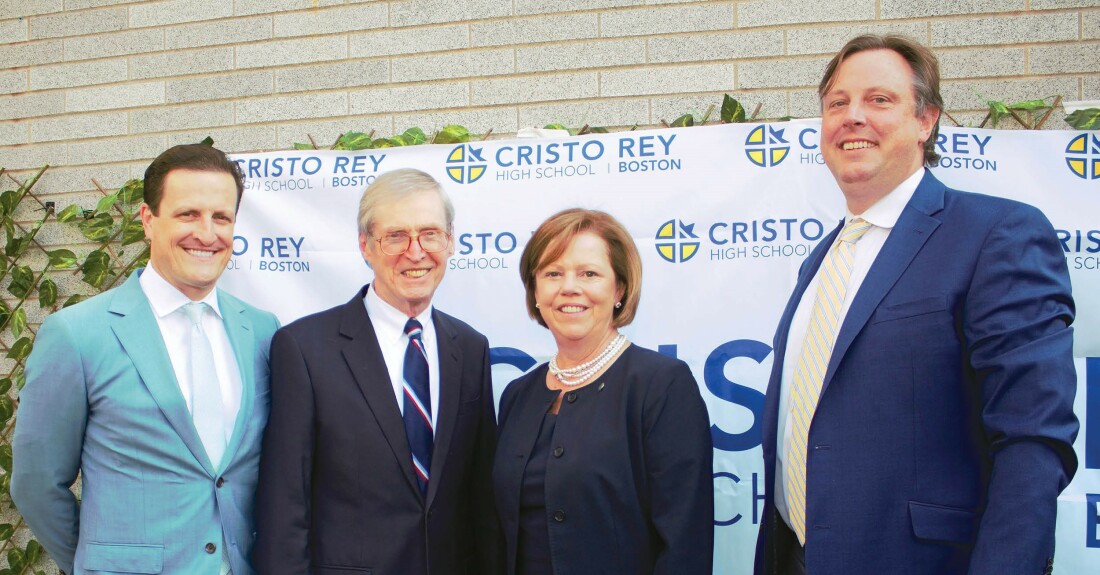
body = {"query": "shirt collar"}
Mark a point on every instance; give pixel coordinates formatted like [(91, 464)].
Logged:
[(885, 212), (164, 298), (389, 321)]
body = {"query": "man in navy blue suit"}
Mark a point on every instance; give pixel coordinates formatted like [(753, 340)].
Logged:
[(919, 417), (368, 466)]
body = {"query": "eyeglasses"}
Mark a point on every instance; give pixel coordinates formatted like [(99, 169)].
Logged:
[(397, 243)]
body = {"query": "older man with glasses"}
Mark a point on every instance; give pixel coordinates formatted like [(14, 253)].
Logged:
[(381, 438)]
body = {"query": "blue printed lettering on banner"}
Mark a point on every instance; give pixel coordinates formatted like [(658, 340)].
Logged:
[(714, 378), (483, 251), (764, 238), (277, 254), (965, 151), (279, 167), (357, 164), (1081, 242), (546, 161), (757, 498), (776, 238), (808, 140), (647, 154), (1092, 523)]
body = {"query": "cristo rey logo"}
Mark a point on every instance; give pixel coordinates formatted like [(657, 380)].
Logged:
[(766, 147), (465, 164), (670, 241), (1083, 156)]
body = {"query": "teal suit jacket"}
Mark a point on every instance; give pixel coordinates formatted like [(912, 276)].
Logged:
[(101, 399)]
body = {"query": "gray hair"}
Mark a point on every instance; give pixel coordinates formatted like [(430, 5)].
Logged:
[(393, 185)]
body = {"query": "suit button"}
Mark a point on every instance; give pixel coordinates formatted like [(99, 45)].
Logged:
[(219, 482), (559, 516), (571, 396), (211, 548), (558, 451)]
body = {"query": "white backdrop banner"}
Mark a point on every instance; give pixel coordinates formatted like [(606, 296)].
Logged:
[(722, 216)]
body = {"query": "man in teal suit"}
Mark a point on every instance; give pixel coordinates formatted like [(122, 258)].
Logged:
[(156, 392)]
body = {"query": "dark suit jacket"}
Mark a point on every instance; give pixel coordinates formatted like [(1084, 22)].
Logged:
[(337, 492), (945, 426), (630, 491)]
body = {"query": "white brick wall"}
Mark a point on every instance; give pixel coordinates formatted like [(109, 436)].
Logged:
[(107, 84)]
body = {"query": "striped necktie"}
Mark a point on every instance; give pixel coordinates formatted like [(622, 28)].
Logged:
[(418, 403), (817, 348)]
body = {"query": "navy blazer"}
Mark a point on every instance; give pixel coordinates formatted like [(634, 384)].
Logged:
[(629, 488), (337, 490), (945, 426)]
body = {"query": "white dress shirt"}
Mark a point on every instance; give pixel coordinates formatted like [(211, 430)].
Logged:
[(389, 328), (175, 328), (882, 216)]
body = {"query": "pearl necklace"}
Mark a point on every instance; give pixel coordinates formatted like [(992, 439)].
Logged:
[(583, 372)]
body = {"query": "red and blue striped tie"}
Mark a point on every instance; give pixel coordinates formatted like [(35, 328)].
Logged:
[(418, 403)]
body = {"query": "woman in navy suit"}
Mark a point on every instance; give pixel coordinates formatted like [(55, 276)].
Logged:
[(604, 458)]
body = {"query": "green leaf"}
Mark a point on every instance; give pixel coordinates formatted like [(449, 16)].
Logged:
[(683, 121), (34, 551), (1030, 105), (5, 457), (597, 130), (106, 203), (997, 111), (416, 136), (732, 110), (22, 279), (1087, 119), (7, 408), (16, 559), (559, 127), (20, 349), (401, 140), (6, 531), (8, 201), (74, 299), (132, 232), (20, 379), (301, 146), (17, 245), (131, 193), (207, 141), (96, 268), (70, 213), (18, 322), (97, 229), (353, 141), (382, 143), (5, 386), (61, 259), (47, 293), (452, 134)]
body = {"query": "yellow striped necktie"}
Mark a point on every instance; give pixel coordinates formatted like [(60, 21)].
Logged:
[(817, 348)]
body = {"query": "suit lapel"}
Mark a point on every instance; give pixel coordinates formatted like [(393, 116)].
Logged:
[(364, 359), (134, 325), (450, 382), (907, 238), (243, 339)]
